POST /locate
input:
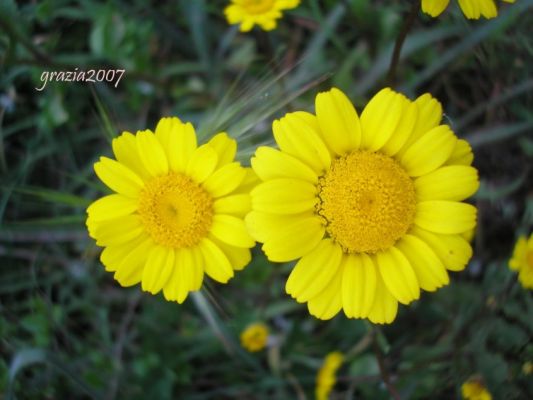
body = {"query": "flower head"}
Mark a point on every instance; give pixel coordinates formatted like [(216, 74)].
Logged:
[(370, 206), (254, 337), (472, 9), (264, 13), (176, 212), (325, 379), (522, 261), (473, 389)]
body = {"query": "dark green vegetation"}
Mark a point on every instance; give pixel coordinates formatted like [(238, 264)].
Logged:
[(68, 331)]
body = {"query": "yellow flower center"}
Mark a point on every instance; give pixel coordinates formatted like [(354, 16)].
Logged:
[(176, 211), (257, 6), (368, 201)]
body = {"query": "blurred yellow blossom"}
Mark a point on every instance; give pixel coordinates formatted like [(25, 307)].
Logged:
[(326, 379), (254, 337)]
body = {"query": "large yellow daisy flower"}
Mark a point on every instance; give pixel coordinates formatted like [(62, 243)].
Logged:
[(472, 9), (177, 211), (522, 261), (264, 13), (371, 205)]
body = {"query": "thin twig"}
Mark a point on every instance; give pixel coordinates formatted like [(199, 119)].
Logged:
[(391, 76), (383, 371), (122, 337)]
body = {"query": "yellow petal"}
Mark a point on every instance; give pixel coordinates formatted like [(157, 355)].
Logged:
[(454, 182), (118, 177), (181, 280), (112, 206), (471, 9), (158, 268), (197, 267), (295, 240), (338, 120), (262, 226), (429, 152), (429, 117), (398, 275), (225, 180), (358, 285), (270, 163), (446, 217), (118, 230), (216, 264), (434, 7), (249, 182), (181, 146), (453, 250), (381, 117), (202, 163), (462, 154), (231, 230), (403, 131), (429, 270), (112, 256), (164, 130), (225, 147), (151, 153), (125, 150), (130, 270), (329, 302), (314, 271), (298, 134), (385, 306), (284, 196), (488, 9), (237, 204), (238, 257)]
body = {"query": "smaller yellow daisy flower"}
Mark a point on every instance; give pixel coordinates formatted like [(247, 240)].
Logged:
[(175, 212), (254, 337), (522, 261), (527, 368), (325, 380), (472, 9), (473, 389), (264, 13)]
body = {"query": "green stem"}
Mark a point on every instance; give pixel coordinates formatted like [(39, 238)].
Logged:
[(409, 21)]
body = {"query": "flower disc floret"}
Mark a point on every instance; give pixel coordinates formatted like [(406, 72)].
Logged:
[(368, 202)]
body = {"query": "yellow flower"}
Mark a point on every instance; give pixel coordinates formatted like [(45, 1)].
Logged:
[(254, 337), (472, 9), (527, 368), (264, 13), (371, 205), (325, 379), (473, 389), (177, 211), (522, 261)]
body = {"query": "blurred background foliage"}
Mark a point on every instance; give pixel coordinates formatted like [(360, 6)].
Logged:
[(68, 331)]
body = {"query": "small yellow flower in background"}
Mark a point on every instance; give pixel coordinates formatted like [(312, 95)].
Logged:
[(264, 13), (254, 337), (326, 377), (371, 206), (473, 389), (177, 212), (527, 368), (522, 261), (472, 9)]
